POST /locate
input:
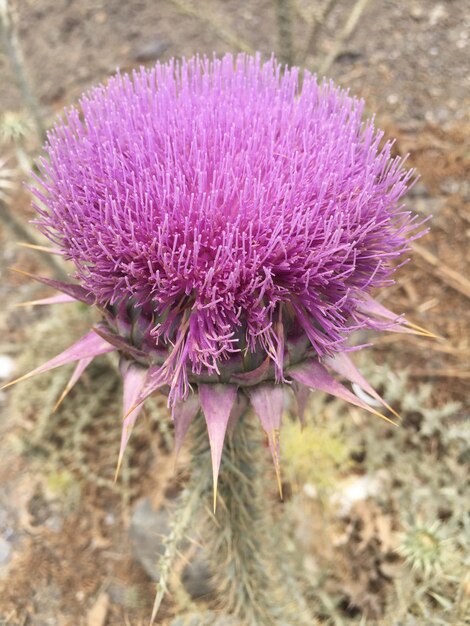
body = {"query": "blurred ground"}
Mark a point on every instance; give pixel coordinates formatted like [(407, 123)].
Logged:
[(65, 556)]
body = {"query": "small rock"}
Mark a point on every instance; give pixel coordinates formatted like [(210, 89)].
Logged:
[(7, 366), (110, 519), (5, 551), (197, 578), (150, 51), (356, 490), (101, 17), (348, 56), (147, 533), (428, 206), (420, 190), (310, 491), (437, 14), (417, 12), (351, 491), (450, 186), (55, 523)]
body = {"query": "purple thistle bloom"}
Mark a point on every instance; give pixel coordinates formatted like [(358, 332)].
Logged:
[(230, 221)]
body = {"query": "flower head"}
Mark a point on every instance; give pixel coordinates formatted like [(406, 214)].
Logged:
[(425, 547), (230, 221)]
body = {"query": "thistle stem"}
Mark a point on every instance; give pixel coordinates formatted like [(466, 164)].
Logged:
[(239, 539), (255, 581)]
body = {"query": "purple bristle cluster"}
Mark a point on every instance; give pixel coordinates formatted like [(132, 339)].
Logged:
[(226, 197)]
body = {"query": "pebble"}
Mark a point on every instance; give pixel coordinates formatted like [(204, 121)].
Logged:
[(150, 50), (7, 366), (428, 206), (351, 491), (419, 190), (417, 12), (55, 523), (450, 186), (437, 14), (147, 533), (5, 551), (110, 519), (196, 576), (147, 530)]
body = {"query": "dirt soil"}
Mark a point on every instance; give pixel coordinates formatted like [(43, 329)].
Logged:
[(70, 564)]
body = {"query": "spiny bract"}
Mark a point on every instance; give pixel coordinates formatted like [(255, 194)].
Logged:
[(229, 218)]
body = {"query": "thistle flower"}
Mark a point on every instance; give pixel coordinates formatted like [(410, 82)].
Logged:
[(229, 221), (15, 127), (425, 548)]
